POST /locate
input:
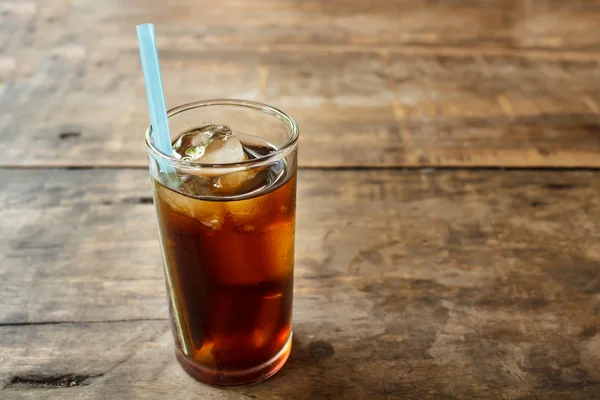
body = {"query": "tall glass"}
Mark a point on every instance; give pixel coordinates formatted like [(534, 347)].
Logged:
[(227, 237)]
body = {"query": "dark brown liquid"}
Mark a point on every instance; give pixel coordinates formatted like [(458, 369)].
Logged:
[(229, 269)]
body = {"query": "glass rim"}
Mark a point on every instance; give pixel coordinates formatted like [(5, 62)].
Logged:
[(278, 154)]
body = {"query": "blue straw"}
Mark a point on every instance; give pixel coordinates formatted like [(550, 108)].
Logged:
[(154, 91)]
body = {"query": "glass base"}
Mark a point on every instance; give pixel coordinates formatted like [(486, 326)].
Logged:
[(235, 378)]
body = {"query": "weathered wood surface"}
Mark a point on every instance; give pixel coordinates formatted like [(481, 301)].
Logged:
[(409, 285), (526, 24), (403, 83)]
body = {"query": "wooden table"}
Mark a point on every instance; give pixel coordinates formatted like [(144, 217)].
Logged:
[(448, 231)]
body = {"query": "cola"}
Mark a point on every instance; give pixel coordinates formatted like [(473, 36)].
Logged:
[(228, 247)]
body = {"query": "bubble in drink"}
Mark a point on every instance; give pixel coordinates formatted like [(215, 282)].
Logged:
[(228, 243)]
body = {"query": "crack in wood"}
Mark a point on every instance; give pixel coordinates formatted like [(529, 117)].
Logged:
[(49, 382), (559, 186), (138, 200), (115, 321), (40, 381), (69, 135)]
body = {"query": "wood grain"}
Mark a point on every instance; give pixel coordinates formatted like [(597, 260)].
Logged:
[(423, 285), (84, 107), (417, 284), (540, 24), (396, 84)]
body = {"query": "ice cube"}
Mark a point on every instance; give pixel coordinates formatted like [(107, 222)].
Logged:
[(211, 144), (223, 149), (268, 319), (204, 355), (236, 182), (248, 259), (191, 144), (196, 185), (250, 214), (258, 213), (209, 213), (278, 244)]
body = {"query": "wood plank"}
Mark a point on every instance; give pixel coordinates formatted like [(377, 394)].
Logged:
[(447, 284), (393, 109), (59, 363), (354, 108), (87, 349), (28, 29), (498, 23), (410, 83), (69, 236)]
